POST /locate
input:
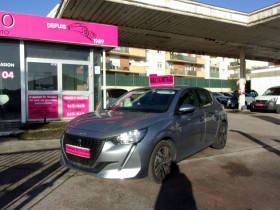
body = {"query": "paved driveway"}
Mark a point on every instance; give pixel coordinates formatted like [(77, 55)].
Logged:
[(244, 175)]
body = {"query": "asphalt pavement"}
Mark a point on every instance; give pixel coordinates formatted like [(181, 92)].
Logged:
[(243, 175)]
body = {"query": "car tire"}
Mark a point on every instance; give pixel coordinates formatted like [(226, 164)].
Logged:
[(221, 140), (278, 109), (160, 162)]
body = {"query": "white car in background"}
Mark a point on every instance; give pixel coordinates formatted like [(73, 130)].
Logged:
[(270, 100)]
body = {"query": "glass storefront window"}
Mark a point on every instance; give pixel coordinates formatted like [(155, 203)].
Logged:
[(42, 76), (10, 95), (74, 77)]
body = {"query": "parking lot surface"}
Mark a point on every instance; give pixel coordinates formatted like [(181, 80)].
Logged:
[(243, 175)]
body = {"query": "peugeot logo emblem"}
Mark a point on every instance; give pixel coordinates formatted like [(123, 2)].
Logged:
[(79, 142)]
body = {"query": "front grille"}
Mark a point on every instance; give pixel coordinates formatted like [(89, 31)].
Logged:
[(95, 146), (261, 101)]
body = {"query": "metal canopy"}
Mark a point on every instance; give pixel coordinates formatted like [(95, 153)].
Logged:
[(184, 26)]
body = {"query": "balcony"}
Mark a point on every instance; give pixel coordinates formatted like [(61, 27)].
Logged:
[(234, 76), (215, 74), (125, 51), (191, 73), (183, 72), (234, 65), (137, 69), (180, 58), (135, 52), (180, 72), (126, 69), (201, 74)]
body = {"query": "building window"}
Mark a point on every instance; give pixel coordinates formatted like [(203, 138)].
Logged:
[(159, 65), (214, 69)]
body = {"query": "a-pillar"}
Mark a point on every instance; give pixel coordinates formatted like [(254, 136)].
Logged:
[(242, 80)]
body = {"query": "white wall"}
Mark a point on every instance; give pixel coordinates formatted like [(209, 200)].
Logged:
[(261, 84), (153, 57)]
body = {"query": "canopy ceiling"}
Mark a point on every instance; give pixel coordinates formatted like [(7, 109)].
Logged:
[(184, 26)]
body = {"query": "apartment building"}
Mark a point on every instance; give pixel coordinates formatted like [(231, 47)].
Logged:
[(143, 62)]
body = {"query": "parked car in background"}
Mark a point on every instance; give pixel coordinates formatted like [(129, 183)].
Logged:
[(270, 100), (227, 94), (112, 94), (250, 95), (221, 98), (143, 132)]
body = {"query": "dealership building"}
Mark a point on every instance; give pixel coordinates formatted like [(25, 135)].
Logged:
[(50, 68)]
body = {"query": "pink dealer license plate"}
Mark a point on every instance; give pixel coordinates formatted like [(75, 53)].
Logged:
[(260, 105), (79, 151)]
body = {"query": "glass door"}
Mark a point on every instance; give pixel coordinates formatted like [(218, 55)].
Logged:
[(42, 84), (76, 95), (58, 89)]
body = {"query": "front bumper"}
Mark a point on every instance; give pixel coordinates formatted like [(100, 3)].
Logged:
[(107, 160), (264, 105)]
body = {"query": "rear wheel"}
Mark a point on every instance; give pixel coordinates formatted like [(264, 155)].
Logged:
[(160, 162), (221, 140)]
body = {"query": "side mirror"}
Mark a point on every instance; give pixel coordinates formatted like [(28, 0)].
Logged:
[(186, 108)]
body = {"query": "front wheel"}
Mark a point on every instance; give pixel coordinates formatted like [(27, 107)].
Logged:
[(221, 140), (160, 162), (278, 109)]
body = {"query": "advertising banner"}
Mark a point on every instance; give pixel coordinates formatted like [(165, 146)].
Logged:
[(42, 106), (161, 80), (60, 30), (74, 105)]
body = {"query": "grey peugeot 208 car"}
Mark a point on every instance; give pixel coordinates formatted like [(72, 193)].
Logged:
[(143, 132)]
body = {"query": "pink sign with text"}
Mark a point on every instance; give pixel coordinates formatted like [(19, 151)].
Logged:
[(42, 106), (61, 30), (161, 80), (74, 105)]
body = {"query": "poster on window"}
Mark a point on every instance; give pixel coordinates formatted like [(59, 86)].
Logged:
[(74, 105), (42, 106)]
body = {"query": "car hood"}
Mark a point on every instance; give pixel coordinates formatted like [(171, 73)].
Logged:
[(266, 97), (111, 122)]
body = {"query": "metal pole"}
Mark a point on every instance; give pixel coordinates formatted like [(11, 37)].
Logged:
[(242, 80), (104, 79)]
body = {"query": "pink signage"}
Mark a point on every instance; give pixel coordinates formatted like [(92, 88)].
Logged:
[(61, 30), (42, 106), (79, 151), (161, 80), (75, 105)]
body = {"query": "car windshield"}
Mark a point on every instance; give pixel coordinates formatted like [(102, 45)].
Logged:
[(145, 100), (272, 92)]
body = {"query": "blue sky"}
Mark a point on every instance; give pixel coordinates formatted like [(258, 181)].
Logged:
[(43, 7)]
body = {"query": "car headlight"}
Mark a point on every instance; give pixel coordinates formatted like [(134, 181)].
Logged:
[(131, 137)]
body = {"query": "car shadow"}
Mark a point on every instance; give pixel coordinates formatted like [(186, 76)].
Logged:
[(22, 182), (273, 120), (176, 192), (265, 146)]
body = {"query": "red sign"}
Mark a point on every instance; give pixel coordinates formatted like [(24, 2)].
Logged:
[(161, 80), (42, 106)]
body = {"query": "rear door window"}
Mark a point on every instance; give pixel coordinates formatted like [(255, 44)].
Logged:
[(204, 97)]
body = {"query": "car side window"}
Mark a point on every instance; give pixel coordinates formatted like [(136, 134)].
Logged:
[(188, 97), (204, 97)]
